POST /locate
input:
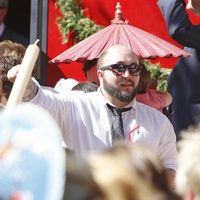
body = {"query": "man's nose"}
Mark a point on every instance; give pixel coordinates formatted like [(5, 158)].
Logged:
[(126, 73)]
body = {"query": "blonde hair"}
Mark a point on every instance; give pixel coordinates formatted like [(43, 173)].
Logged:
[(119, 179), (188, 173)]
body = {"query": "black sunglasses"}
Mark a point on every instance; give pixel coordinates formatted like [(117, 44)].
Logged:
[(119, 69)]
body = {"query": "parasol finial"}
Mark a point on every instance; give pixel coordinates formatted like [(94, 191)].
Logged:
[(118, 15), (118, 12)]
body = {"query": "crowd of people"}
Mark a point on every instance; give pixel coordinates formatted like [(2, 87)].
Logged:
[(105, 138)]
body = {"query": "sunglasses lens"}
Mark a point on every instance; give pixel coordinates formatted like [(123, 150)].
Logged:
[(119, 69), (135, 69)]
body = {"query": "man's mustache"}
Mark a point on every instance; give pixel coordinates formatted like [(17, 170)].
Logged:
[(126, 82)]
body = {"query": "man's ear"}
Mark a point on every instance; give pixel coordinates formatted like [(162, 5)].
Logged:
[(100, 76), (99, 73)]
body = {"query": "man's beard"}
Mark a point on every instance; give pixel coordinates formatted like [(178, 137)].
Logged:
[(122, 96)]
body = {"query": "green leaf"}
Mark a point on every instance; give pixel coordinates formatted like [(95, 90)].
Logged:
[(158, 73), (73, 20)]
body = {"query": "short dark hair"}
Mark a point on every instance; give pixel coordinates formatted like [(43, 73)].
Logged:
[(145, 80), (88, 64), (85, 87)]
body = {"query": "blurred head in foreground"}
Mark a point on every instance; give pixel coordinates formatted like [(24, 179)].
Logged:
[(80, 184), (30, 150), (130, 172), (188, 173)]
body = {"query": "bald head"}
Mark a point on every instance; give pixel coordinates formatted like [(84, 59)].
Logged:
[(117, 54)]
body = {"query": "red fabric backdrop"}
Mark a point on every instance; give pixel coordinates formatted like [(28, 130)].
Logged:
[(141, 13)]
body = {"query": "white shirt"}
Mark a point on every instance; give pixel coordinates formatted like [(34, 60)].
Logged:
[(64, 85), (85, 122)]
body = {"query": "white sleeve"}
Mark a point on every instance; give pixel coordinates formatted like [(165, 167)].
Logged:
[(167, 150)]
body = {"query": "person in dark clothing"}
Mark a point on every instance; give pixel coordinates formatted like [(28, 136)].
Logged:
[(184, 79), (6, 33)]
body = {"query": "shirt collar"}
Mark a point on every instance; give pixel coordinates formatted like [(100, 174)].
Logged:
[(105, 101)]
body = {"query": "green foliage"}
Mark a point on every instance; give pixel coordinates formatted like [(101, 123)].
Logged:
[(74, 21), (158, 73)]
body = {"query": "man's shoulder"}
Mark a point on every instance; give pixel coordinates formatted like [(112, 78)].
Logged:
[(151, 117), (144, 109)]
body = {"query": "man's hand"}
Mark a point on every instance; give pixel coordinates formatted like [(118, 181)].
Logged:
[(12, 73), (31, 89)]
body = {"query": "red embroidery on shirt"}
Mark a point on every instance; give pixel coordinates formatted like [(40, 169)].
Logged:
[(132, 131)]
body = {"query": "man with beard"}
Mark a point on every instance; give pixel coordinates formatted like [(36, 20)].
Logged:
[(86, 119)]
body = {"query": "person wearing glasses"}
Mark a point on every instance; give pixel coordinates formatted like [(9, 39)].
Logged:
[(87, 119)]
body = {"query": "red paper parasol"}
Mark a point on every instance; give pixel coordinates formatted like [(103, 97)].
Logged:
[(142, 43)]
